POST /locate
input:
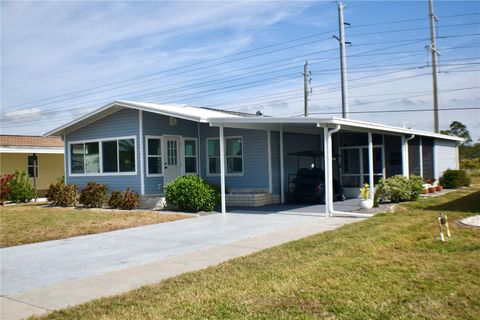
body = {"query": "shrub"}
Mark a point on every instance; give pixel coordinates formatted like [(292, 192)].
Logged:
[(94, 195), (20, 188), (192, 193), (61, 194), (416, 187), (126, 200), (453, 179), (115, 200), (398, 189), (5, 187), (130, 200), (364, 191)]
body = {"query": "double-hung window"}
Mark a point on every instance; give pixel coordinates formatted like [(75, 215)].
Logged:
[(154, 156), (116, 156), (33, 166), (190, 153), (233, 155)]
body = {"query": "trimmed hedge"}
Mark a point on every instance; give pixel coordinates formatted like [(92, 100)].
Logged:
[(192, 194), (454, 179)]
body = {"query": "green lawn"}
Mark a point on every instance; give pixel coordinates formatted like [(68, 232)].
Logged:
[(388, 267), (21, 224)]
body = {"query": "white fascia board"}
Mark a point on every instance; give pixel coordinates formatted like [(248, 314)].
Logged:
[(353, 124), (52, 150)]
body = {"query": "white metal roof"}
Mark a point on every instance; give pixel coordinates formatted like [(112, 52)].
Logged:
[(345, 123), (174, 110), (220, 117)]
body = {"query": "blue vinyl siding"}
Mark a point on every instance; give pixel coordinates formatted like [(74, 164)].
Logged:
[(255, 158), (159, 125), (121, 123)]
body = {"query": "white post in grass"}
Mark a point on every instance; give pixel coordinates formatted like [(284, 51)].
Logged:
[(327, 171), (370, 164), (282, 169), (222, 170)]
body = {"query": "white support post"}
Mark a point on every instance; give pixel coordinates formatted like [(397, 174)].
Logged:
[(66, 157), (142, 156), (327, 170), (222, 170), (282, 169), (405, 156), (269, 153), (370, 164), (420, 155)]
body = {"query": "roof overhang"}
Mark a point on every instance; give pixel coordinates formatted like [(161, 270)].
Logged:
[(167, 110), (346, 124), (29, 150)]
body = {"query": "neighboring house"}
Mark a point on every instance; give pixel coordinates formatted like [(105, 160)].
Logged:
[(40, 157), (145, 146)]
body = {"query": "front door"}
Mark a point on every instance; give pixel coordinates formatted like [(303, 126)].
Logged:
[(172, 165)]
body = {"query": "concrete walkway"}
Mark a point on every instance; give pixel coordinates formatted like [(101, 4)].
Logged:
[(41, 277)]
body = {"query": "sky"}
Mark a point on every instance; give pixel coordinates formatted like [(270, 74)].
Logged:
[(60, 60)]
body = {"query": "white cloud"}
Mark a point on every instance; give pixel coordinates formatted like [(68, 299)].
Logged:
[(23, 115)]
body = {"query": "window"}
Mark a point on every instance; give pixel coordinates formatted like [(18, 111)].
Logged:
[(233, 154), (154, 156), (213, 155), (190, 156), (126, 155), (116, 156), (33, 166), (109, 156)]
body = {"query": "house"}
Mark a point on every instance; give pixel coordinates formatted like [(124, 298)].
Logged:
[(145, 146), (40, 157)]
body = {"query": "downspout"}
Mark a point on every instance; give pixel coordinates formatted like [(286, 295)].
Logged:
[(330, 211)]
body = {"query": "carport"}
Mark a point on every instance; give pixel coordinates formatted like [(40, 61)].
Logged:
[(376, 139)]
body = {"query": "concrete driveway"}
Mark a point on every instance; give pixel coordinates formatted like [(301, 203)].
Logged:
[(32, 274)]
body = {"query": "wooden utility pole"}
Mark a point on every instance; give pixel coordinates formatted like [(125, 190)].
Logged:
[(433, 50)]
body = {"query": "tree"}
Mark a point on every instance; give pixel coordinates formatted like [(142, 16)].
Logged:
[(460, 130)]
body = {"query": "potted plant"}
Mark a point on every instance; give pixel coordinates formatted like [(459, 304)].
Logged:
[(366, 202)]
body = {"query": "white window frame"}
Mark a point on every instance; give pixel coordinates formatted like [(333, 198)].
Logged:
[(239, 174), (100, 154), (35, 166), (148, 137), (184, 156)]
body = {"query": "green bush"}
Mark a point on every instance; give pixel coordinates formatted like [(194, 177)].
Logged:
[(398, 189), (94, 195), (192, 193), (454, 179), (20, 188), (126, 200), (115, 200), (61, 194)]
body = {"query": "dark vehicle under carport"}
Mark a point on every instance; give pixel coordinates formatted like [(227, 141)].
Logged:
[(308, 184)]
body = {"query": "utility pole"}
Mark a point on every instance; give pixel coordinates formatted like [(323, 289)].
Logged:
[(433, 49), (343, 58), (306, 90)]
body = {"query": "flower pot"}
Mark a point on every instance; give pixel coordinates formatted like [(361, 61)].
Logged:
[(439, 188), (425, 191), (432, 189), (366, 204)]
